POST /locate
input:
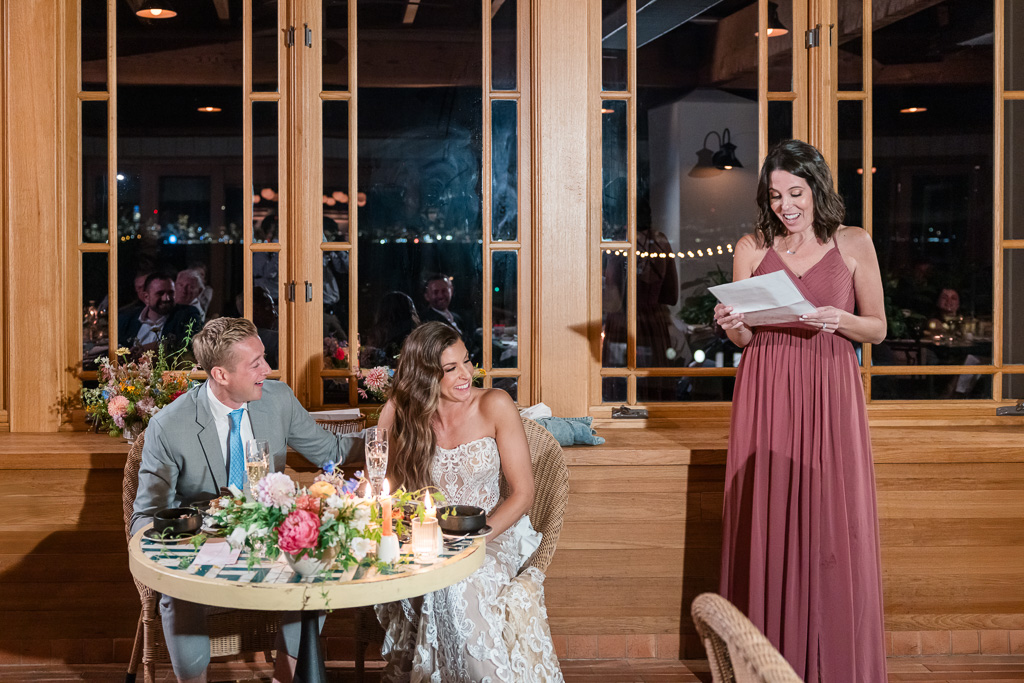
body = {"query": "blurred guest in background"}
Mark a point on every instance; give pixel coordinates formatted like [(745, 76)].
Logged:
[(191, 290), (396, 318), (160, 319)]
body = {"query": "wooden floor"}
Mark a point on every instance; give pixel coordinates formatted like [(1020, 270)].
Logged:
[(955, 669)]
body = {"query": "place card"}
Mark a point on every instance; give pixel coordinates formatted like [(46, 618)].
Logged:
[(218, 553)]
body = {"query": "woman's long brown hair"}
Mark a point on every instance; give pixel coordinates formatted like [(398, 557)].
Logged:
[(415, 392)]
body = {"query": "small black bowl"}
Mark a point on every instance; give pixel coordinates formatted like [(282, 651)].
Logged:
[(203, 504), (177, 521), (461, 519)]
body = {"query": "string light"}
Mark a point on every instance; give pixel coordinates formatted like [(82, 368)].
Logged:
[(717, 250)]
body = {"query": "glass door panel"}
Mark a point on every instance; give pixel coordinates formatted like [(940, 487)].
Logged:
[(932, 193), (182, 203)]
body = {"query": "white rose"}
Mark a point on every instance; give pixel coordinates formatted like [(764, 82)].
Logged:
[(335, 501), (359, 547), (237, 537), (361, 518)]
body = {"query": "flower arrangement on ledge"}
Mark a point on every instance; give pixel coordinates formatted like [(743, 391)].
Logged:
[(131, 392)]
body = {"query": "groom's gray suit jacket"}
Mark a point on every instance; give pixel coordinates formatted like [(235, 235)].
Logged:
[(183, 459)]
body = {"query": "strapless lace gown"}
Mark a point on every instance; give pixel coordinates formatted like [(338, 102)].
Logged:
[(493, 625)]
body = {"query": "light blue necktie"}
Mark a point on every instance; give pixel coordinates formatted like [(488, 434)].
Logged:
[(236, 463)]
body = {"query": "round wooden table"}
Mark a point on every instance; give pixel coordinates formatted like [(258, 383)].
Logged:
[(272, 586)]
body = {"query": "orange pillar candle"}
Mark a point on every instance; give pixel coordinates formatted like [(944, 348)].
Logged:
[(385, 509)]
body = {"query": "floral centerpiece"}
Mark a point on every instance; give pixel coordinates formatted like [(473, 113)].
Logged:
[(130, 392), (315, 528), (323, 524)]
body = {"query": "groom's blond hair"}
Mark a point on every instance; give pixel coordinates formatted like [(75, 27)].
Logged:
[(213, 345)]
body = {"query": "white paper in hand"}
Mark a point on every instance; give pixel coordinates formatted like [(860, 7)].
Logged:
[(764, 299)]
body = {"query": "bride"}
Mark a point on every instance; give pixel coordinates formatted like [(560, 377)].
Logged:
[(493, 625)]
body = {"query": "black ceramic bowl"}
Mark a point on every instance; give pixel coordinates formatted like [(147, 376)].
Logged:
[(177, 521), (203, 504), (461, 519)]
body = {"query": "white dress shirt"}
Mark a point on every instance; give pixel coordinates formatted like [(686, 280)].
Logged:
[(223, 422), (150, 330)]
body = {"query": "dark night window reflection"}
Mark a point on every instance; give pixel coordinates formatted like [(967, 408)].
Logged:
[(933, 193), (420, 172)]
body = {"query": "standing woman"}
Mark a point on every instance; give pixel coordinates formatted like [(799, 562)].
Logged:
[(800, 552), (444, 432)]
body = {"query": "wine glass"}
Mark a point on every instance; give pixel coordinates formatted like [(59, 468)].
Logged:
[(257, 460), (376, 440)]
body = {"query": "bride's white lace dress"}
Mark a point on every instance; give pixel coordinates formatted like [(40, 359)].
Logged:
[(490, 627)]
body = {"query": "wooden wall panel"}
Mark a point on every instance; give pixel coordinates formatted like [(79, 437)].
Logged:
[(641, 536), (33, 234), (560, 177)]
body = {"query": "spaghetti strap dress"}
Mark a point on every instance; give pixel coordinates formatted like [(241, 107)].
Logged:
[(800, 550)]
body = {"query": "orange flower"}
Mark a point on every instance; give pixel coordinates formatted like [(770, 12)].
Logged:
[(308, 503), (322, 489)]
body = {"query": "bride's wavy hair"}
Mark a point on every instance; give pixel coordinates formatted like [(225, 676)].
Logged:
[(803, 161), (415, 392)]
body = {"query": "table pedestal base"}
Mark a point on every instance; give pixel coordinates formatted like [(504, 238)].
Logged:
[(309, 667)]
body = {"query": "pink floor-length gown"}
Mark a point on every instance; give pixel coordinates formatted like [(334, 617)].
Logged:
[(800, 552)]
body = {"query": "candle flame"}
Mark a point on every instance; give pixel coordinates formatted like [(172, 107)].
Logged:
[(428, 503), (385, 489)]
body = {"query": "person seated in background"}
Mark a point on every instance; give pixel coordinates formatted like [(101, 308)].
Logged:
[(396, 318), (191, 290), (946, 320), (193, 449), (437, 292), (139, 283), (159, 319)]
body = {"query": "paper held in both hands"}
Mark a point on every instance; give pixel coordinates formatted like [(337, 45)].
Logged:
[(764, 299)]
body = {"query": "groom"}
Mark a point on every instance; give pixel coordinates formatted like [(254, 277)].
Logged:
[(190, 453)]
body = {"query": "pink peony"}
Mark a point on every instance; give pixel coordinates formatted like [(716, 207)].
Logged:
[(118, 406), (298, 531)]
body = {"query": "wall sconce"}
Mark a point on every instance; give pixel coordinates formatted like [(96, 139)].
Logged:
[(710, 164), (775, 25), (156, 9), (725, 157)]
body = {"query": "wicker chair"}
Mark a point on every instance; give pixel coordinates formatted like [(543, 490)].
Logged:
[(737, 651), (551, 491), (231, 633), (347, 426)]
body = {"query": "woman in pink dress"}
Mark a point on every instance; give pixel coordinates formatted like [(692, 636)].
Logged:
[(800, 551)]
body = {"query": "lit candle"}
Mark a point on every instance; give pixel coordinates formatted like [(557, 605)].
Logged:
[(385, 508), (428, 506)]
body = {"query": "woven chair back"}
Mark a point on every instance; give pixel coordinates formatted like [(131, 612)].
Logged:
[(551, 491), (737, 651)]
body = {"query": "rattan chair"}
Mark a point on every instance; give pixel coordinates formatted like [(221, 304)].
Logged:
[(551, 492), (737, 651), (231, 633), (347, 426)]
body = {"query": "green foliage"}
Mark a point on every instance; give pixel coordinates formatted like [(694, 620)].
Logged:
[(699, 308)]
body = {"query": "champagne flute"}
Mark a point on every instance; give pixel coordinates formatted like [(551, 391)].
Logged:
[(376, 446), (257, 460)]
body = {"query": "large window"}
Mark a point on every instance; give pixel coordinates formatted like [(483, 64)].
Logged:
[(920, 134), (238, 159)]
